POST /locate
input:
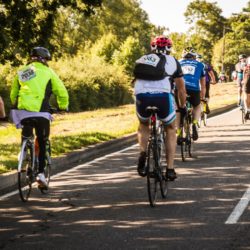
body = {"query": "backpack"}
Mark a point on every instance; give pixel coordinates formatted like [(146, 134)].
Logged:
[(150, 67)]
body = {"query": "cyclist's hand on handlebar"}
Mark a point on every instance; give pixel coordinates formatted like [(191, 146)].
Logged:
[(54, 110)]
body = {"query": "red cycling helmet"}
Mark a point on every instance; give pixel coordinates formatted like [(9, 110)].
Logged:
[(161, 43)]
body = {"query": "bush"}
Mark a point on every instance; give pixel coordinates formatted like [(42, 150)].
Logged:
[(92, 83)]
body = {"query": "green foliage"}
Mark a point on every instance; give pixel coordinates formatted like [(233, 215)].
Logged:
[(179, 43), (28, 23), (127, 54), (105, 47), (206, 17), (6, 76), (92, 83)]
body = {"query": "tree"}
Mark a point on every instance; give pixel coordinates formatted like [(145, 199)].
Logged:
[(28, 23), (127, 54), (207, 25)]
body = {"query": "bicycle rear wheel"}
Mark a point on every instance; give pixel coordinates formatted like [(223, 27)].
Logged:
[(163, 165), (152, 180), (25, 172), (184, 147)]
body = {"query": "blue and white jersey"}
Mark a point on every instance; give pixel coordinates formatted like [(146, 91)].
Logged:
[(193, 71)]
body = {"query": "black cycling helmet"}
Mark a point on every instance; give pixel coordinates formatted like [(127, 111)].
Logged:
[(189, 52), (41, 53), (242, 56)]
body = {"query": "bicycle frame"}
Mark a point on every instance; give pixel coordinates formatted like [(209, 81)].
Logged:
[(155, 175)]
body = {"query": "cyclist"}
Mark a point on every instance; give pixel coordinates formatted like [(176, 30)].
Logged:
[(158, 93), (30, 93), (194, 77), (246, 82), (239, 68), (210, 79), (3, 117)]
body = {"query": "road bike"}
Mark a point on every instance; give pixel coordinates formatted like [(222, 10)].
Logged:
[(186, 142), (203, 116), (28, 166), (156, 172)]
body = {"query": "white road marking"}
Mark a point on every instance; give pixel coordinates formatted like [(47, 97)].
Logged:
[(74, 168), (239, 209)]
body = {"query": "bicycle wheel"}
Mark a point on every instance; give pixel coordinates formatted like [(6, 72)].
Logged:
[(184, 148), (25, 172), (152, 180), (163, 165)]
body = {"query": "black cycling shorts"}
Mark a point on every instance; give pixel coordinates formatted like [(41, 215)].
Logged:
[(195, 99)]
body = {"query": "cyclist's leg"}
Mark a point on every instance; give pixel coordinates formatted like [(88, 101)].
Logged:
[(195, 102), (142, 101), (27, 129), (168, 116), (178, 117), (239, 83), (247, 99), (2, 109), (42, 128), (207, 96)]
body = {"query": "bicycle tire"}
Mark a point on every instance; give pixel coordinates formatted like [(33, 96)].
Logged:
[(25, 171), (184, 148), (152, 182), (163, 180)]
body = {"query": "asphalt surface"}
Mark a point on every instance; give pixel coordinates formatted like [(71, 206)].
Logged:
[(103, 204)]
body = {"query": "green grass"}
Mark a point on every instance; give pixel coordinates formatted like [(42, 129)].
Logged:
[(71, 132), (76, 130)]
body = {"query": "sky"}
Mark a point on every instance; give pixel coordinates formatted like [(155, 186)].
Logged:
[(170, 13)]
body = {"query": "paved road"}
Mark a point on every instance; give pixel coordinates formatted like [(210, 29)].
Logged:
[(103, 204)]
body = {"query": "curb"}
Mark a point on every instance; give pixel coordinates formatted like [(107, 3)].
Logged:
[(9, 180)]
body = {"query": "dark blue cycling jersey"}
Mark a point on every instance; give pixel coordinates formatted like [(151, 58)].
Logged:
[(193, 71)]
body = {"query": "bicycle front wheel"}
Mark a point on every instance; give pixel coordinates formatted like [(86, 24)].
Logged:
[(152, 180), (25, 172)]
